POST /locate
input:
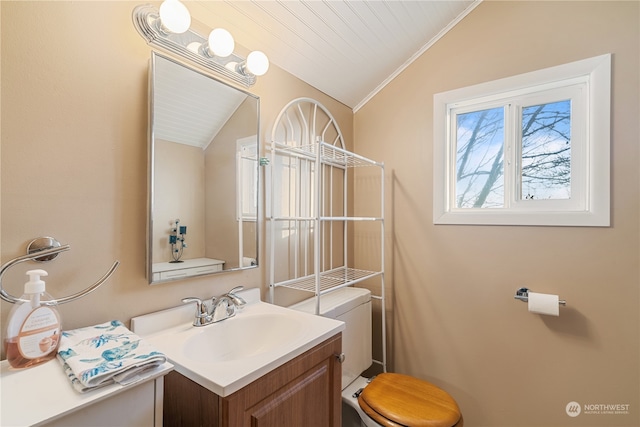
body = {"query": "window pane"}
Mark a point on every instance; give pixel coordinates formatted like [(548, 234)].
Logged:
[(479, 159), (546, 151)]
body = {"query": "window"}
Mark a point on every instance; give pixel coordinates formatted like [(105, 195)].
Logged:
[(247, 178), (526, 150)]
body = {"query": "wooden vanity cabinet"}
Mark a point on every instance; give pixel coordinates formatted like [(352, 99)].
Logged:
[(305, 391)]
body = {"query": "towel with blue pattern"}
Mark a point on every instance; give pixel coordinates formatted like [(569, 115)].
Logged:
[(104, 354)]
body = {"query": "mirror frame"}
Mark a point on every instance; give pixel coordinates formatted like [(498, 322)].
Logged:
[(151, 170)]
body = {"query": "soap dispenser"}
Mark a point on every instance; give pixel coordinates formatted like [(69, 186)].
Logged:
[(33, 326)]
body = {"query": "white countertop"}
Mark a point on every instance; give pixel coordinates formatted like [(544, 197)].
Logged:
[(228, 375), (43, 393)]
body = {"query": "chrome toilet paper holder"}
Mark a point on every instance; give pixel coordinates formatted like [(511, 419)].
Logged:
[(523, 295)]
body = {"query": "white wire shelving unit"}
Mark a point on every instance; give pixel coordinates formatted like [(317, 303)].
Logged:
[(310, 226)]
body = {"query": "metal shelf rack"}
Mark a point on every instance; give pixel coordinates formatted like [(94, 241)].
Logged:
[(310, 216)]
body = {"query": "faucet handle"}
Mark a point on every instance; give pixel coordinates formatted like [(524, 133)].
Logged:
[(200, 307), (238, 301)]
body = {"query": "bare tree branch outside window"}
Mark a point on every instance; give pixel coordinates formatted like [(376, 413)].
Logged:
[(479, 165), (545, 161), (546, 151)]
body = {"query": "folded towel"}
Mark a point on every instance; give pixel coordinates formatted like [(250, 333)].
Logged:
[(100, 355)]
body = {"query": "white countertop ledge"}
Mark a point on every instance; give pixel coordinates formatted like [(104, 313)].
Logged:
[(169, 330), (43, 393)]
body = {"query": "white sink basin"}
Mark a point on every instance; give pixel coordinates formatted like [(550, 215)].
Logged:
[(228, 355), (243, 336)]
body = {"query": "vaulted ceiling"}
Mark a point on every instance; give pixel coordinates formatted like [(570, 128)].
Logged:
[(348, 49)]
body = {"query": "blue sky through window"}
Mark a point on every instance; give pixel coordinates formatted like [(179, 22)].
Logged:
[(546, 151), (479, 159), (544, 155)]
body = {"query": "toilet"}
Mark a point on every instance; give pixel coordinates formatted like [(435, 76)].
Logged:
[(389, 399)]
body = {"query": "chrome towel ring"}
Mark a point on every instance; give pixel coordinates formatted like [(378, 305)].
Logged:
[(46, 249)]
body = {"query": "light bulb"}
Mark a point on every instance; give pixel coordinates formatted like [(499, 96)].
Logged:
[(194, 47), (257, 63), (221, 43), (174, 16), (231, 65)]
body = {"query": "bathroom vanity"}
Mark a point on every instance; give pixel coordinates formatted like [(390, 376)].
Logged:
[(266, 366), (303, 389)]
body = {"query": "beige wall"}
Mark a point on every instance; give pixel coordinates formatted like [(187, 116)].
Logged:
[(73, 82), (455, 320), (179, 194), (74, 154)]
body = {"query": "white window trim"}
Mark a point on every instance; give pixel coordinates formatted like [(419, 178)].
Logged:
[(597, 72)]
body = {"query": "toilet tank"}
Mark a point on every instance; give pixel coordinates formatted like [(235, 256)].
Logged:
[(352, 306)]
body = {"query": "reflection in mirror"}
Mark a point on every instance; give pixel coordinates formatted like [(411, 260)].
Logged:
[(203, 166)]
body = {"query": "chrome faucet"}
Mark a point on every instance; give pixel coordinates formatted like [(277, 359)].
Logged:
[(224, 308), (216, 309), (204, 310)]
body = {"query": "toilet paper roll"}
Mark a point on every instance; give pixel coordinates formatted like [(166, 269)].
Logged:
[(544, 304)]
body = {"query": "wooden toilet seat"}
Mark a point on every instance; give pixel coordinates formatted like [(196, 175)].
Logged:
[(396, 400)]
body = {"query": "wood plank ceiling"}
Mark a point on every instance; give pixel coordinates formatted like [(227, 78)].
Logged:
[(348, 49)]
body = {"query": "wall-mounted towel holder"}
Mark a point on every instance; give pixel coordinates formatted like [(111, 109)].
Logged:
[(45, 249), (523, 295)]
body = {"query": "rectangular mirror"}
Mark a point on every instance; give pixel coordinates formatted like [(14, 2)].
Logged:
[(203, 174)]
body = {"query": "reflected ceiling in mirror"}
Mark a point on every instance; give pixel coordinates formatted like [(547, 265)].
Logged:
[(203, 174)]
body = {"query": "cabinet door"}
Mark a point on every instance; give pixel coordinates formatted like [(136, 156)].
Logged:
[(305, 402), (304, 392)]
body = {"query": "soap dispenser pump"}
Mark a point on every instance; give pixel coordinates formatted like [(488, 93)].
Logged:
[(33, 326)]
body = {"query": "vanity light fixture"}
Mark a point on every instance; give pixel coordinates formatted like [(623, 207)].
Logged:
[(170, 29)]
